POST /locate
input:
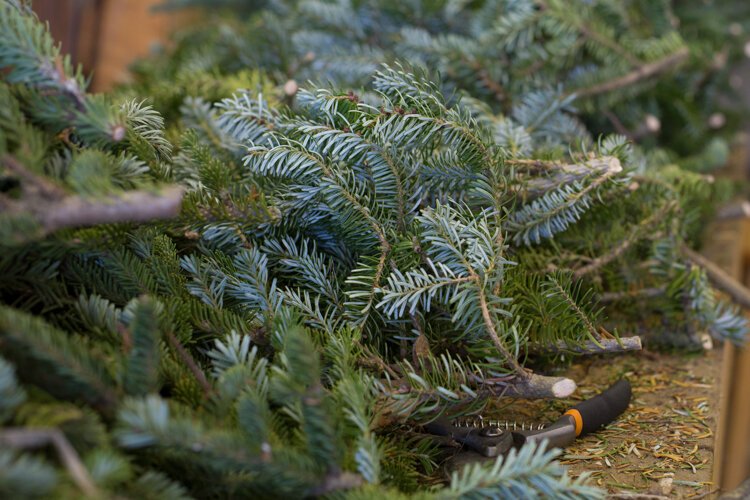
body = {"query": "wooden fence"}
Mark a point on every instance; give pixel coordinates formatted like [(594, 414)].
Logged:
[(105, 36)]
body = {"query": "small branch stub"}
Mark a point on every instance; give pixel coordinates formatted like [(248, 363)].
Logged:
[(540, 387)]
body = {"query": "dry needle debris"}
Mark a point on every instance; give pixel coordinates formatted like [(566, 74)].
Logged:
[(665, 438)]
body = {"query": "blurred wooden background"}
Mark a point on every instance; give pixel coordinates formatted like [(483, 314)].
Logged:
[(107, 35)]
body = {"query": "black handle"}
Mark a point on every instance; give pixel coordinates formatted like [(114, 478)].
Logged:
[(594, 413)]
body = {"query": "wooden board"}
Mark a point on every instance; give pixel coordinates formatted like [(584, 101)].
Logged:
[(727, 243), (130, 29)]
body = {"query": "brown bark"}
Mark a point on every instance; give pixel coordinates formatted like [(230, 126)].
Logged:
[(132, 206), (38, 438), (590, 347), (539, 387)]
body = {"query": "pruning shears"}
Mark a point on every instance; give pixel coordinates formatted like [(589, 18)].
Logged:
[(482, 439)]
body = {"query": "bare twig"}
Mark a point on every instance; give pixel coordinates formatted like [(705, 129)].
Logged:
[(723, 281), (643, 293), (631, 238), (132, 206), (190, 363), (38, 438), (54, 209), (536, 386), (638, 74), (739, 210), (589, 347), (33, 183), (336, 482)]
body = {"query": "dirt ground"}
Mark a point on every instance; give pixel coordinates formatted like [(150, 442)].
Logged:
[(667, 433)]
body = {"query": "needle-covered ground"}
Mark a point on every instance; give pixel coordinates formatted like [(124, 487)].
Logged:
[(667, 433)]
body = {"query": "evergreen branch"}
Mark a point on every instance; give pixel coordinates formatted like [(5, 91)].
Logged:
[(53, 210), (556, 288), (736, 290), (236, 350), (25, 476), (489, 325), (11, 395), (498, 91), (418, 287), (63, 366), (555, 174), (28, 55), (555, 211), (532, 468), (142, 370), (624, 245), (38, 438), (605, 41), (192, 365), (640, 73)]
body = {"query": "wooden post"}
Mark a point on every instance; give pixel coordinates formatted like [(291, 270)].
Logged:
[(75, 24), (129, 30), (729, 247)]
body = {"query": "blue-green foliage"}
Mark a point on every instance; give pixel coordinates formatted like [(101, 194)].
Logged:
[(351, 259)]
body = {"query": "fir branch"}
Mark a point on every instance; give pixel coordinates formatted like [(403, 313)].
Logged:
[(28, 55), (11, 395), (141, 374), (37, 438), (632, 237), (557, 210), (513, 475), (736, 290), (557, 285), (640, 73), (192, 365), (63, 366)]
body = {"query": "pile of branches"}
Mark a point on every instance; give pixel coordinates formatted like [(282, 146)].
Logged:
[(266, 296)]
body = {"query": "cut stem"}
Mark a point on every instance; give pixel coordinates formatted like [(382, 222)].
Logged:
[(589, 347)]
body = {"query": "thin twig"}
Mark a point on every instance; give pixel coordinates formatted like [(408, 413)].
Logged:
[(640, 73), (54, 209), (723, 281), (32, 181), (37, 438), (642, 293), (190, 363), (631, 238), (589, 347), (131, 206)]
